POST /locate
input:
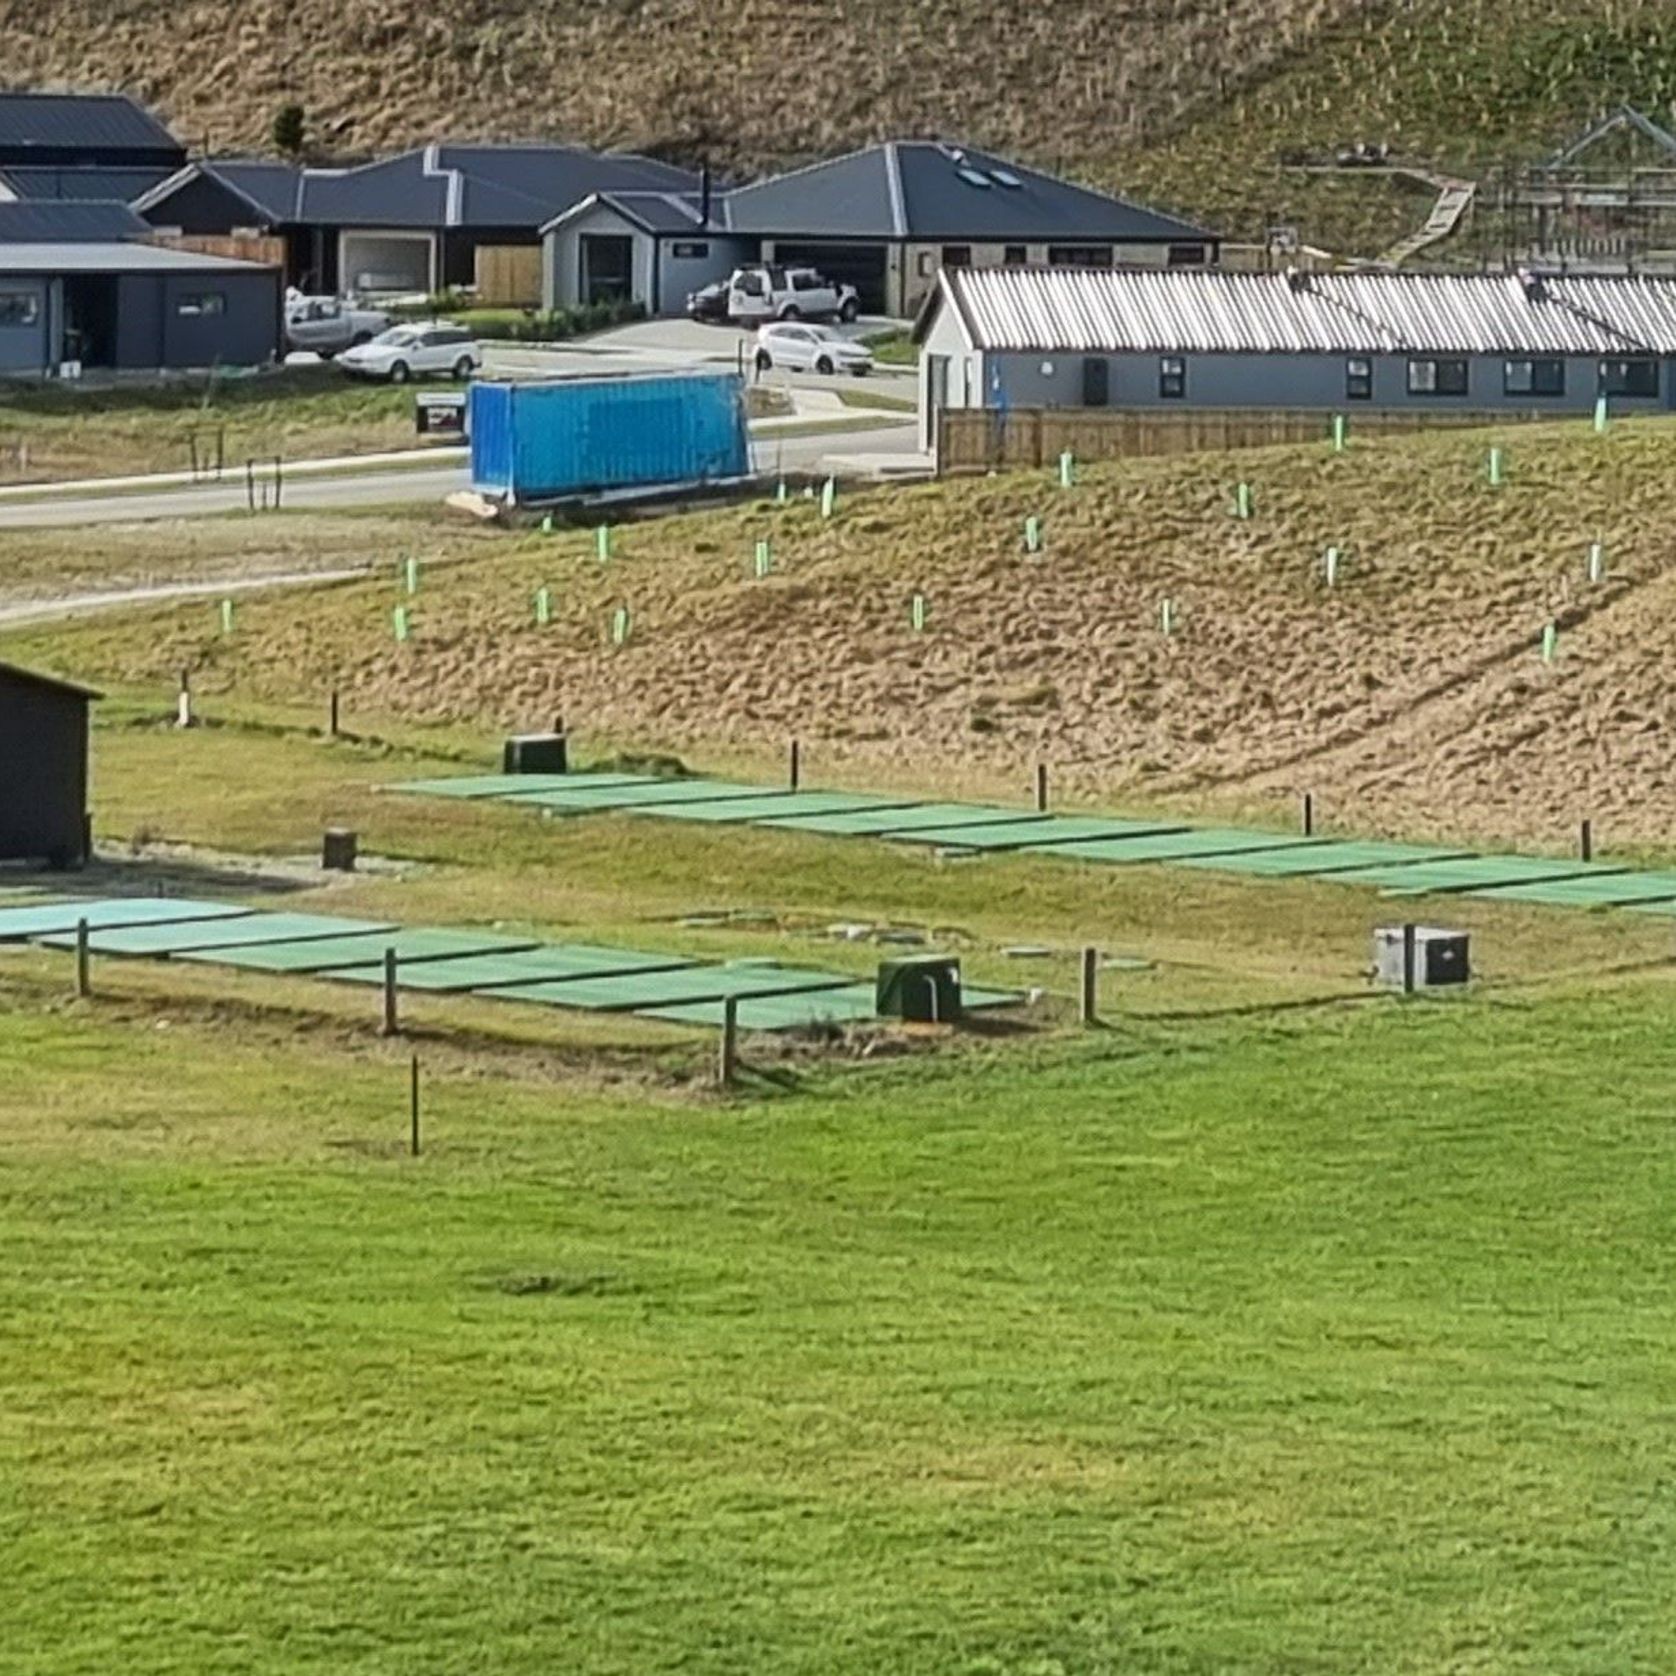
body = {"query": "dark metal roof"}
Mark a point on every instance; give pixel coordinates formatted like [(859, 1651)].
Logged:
[(653, 212), (116, 258), (80, 183), (102, 127), (16, 672), (924, 189), (477, 186), (76, 223)]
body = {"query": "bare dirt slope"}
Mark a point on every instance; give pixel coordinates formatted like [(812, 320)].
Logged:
[(1411, 698)]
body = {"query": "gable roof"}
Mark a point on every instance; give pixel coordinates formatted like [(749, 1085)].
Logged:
[(34, 678), (925, 189), (651, 212), (107, 257), (71, 222), (73, 182), (68, 125), (1093, 311)]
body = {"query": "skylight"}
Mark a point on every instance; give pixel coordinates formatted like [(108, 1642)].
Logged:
[(1006, 178), (973, 177)]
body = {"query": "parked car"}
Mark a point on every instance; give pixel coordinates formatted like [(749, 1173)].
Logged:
[(328, 326), (435, 348), (767, 292), (790, 343)]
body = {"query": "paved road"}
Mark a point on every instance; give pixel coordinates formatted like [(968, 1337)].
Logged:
[(404, 485)]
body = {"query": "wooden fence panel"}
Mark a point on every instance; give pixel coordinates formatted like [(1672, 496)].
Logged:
[(509, 275), (241, 247)]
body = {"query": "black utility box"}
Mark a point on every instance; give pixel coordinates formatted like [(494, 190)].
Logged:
[(535, 753), (923, 988)]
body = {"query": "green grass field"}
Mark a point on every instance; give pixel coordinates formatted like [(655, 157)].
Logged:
[(1271, 1347)]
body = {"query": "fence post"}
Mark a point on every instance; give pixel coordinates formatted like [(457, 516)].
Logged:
[(332, 716), (84, 982), (1409, 961), (413, 1106), (1586, 841), (392, 1022), (1041, 788), (1090, 1007), (1309, 814), (727, 1065), (794, 765)]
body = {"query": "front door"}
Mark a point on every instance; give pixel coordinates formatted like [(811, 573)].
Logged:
[(607, 268)]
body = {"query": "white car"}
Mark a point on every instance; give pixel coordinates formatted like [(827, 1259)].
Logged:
[(432, 348), (804, 348), (328, 325)]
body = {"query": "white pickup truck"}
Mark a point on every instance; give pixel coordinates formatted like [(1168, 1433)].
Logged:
[(328, 325), (749, 296)]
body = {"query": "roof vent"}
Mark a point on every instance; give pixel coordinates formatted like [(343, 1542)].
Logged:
[(1535, 286), (1297, 281)]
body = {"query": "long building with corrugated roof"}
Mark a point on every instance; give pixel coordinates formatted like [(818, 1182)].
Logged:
[(1015, 338)]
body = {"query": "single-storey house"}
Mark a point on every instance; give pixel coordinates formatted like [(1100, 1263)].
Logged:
[(405, 224), (886, 220), (82, 146), (1011, 338), (125, 305)]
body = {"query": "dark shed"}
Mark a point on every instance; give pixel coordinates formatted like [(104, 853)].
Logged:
[(43, 768)]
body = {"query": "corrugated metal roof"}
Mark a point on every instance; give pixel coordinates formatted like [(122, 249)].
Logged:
[(80, 183), (114, 259), (105, 123), (43, 223), (1114, 311)]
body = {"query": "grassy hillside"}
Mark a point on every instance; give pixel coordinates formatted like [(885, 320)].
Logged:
[(1410, 698), (1185, 102)]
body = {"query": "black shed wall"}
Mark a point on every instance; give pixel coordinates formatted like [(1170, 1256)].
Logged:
[(162, 320), (43, 772)]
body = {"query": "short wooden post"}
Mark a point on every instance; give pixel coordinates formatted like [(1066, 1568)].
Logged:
[(392, 1020), (84, 981), (794, 765), (1586, 841), (1309, 814), (413, 1106), (1090, 1009), (333, 716), (183, 700), (1410, 963), (727, 1064), (1041, 788)]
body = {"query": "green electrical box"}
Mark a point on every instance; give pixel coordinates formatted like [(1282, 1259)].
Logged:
[(923, 988)]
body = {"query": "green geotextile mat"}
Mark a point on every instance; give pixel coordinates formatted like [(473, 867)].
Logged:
[(248, 930), (1036, 834), (1325, 857), (1654, 891), (638, 992), (509, 785), (648, 794), (1175, 846), (104, 912), (886, 823), (1475, 873), (853, 1004), (780, 806), (501, 974), (337, 953)]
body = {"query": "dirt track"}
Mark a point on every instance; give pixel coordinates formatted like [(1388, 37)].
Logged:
[(1410, 698)]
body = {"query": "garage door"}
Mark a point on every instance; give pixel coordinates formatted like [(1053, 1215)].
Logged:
[(860, 265)]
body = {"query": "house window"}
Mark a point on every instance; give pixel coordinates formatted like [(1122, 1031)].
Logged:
[(924, 262), (1358, 380), (1172, 378), (1186, 256), (1629, 378), (957, 255), (1079, 255), (689, 250), (197, 305), (19, 308), (1534, 378), (1437, 377), (1016, 255)]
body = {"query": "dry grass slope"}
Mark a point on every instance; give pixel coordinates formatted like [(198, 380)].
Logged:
[(1412, 697)]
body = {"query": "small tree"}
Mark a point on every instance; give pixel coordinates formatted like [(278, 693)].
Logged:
[(289, 130)]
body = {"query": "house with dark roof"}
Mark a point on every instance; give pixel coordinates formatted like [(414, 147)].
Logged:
[(408, 223), (82, 146), (886, 220)]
